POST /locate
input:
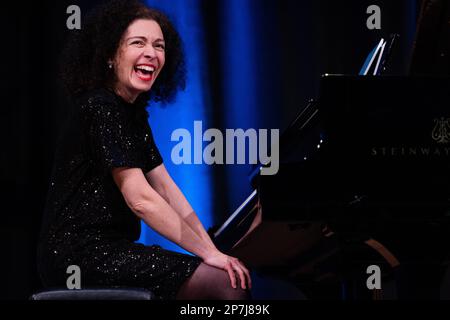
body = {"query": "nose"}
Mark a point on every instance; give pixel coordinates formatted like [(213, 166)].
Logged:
[(149, 52)]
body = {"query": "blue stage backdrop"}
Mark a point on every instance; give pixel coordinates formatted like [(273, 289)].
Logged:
[(241, 82), (193, 104)]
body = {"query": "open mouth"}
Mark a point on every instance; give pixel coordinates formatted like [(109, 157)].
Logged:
[(144, 72)]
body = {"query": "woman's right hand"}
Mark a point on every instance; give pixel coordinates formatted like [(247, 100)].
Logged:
[(232, 266)]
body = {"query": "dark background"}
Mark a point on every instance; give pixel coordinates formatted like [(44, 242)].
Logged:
[(334, 40)]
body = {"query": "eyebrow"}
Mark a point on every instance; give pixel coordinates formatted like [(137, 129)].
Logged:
[(144, 38)]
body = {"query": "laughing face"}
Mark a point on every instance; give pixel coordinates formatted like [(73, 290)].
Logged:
[(139, 59)]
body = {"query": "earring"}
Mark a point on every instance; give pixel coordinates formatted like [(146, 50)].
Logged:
[(110, 65)]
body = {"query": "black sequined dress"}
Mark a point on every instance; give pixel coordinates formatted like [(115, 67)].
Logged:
[(86, 220)]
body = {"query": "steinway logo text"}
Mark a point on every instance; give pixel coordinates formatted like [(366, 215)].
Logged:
[(440, 135), (410, 151)]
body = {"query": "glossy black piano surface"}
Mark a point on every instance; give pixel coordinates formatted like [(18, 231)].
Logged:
[(370, 160), (377, 141)]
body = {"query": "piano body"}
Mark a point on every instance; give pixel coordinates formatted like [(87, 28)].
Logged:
[(364, 180)]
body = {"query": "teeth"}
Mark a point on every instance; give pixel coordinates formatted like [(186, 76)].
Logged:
[(146, 68)]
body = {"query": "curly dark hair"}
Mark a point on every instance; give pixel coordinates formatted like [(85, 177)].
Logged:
[(84, 59)]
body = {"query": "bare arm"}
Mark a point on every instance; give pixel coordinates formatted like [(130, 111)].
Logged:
[(149, 206), (163, 183)]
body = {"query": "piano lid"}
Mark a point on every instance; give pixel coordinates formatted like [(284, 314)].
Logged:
[(382, 139)]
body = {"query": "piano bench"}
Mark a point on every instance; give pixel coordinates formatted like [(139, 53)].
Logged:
[(116, 293)]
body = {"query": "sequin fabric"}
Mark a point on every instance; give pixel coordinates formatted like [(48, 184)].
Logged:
[(86, 220)]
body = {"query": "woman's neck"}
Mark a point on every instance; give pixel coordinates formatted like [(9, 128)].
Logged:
[(125, 94)]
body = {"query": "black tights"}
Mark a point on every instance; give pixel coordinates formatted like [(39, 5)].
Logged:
[(209, 283)]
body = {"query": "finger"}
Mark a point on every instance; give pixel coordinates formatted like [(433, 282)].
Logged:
[(246, 273), (239, 271), (230, 271)]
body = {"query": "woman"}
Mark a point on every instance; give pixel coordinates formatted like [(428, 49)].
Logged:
[(108, 174)]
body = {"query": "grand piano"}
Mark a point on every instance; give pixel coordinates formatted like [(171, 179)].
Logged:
[(364, 180)]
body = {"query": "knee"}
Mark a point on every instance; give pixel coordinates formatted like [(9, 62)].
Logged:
[(211, 283), (227, 292)]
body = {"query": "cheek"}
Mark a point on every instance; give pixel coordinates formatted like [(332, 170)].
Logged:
[(126, 61), (123, 72), (162, 62)]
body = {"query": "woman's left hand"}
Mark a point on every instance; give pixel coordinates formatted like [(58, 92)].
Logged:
[(232, 265)]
